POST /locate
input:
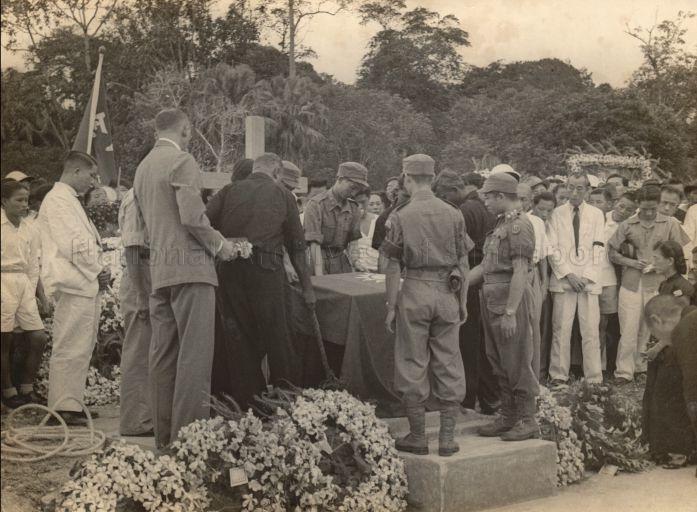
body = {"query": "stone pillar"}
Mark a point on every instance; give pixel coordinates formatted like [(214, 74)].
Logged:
[(253, 136)]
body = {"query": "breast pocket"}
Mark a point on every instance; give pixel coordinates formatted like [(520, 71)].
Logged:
[(329, 227)]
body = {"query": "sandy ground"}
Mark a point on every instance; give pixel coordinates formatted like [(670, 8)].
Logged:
[(658, 490)]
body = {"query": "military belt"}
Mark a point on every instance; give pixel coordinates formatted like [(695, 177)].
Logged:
[(439, 275)]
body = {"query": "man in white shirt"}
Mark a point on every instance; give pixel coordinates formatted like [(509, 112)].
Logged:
[(72, 274), (540, 282), (576, 233), (690, 227)]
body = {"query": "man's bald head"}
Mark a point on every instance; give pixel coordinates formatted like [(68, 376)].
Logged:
[(525, 196)]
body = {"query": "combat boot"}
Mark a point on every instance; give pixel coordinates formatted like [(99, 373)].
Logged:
[(415, 441), (446, 436), (525, 428), (504, 422)]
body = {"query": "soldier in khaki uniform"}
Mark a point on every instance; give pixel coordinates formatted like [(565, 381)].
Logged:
[(333, 220), (506, 310), (427, 236)]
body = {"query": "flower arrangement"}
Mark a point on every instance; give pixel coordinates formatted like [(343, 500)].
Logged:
[(608, 425), (105, 217), (577, 162), (318, 450), (556, 425), (125, 475)]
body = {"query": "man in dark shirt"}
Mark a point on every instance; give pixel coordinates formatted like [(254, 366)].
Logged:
[(251, 320), (462, 192)]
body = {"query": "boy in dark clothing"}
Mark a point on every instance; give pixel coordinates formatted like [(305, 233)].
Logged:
[(670, 398)]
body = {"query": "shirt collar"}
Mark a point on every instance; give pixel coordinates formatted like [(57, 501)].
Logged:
[(422, 194), (170, 141), (3, 217), (68, 188)]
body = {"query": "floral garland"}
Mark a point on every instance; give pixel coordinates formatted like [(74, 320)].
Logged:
[(125, 474), (321, 450), (556, 425), (577, 162)]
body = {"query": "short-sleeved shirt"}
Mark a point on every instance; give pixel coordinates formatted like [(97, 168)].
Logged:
[(426, 233), (642, 239), (513, 238), (479, 221), (330, 223), (677, 285), (380, 230), (260, 210)]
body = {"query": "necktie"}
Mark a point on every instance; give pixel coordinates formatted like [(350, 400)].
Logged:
[(576, 223)]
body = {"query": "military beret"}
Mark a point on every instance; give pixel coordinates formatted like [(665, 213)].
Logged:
[(419, 165), (290, 174), (355, 172), (506, 169), (501, 182), (448, 179)]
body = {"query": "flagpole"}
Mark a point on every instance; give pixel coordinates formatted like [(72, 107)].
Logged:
[(94, 100)]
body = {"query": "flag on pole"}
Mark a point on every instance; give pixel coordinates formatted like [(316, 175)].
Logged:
[(94, 136)]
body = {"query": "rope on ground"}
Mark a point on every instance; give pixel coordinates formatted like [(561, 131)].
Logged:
[(41, 442)]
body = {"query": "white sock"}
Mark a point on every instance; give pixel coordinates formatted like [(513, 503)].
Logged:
[(25, 389), (9, 392)]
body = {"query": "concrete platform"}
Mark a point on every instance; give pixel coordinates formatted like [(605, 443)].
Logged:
[(487, 472)]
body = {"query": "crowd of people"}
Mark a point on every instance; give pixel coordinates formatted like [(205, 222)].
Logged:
[(493, 284)]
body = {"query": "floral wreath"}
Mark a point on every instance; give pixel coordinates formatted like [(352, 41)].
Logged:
[(577, 162), (321, 450)]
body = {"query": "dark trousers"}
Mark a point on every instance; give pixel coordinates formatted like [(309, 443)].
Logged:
[(481, 383), (251, 323)]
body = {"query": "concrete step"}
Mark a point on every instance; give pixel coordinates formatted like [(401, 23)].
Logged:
[(485, 473), (467, 423)]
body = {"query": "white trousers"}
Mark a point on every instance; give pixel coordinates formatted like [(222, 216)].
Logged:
[(566, 305), (635, 333), (75, 325)]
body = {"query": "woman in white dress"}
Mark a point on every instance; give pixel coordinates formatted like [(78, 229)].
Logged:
[(363, 257)]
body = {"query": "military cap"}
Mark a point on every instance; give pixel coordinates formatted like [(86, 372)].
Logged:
[(507, 169), (532, 181), (290, 174), (355, 172), (501, 182), (448, 179), (419, 165), (17, 176)]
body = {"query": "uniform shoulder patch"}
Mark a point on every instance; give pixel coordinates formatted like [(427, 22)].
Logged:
[(515, 228)]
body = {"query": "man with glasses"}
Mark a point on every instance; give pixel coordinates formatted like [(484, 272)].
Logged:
[(73, 275), (632, 248), (576, 237), (333, 220)]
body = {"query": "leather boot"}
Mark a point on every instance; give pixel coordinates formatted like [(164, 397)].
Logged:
[(526, 427), (415, 441), (503, 422), (446, 436)]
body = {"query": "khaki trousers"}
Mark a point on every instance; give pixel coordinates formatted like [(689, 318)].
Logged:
[(427, 347), (135, 415), (181, 356)]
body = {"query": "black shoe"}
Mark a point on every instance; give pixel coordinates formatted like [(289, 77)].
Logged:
[(149, 433), (71, 418), (14, 402), (93, 414)]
